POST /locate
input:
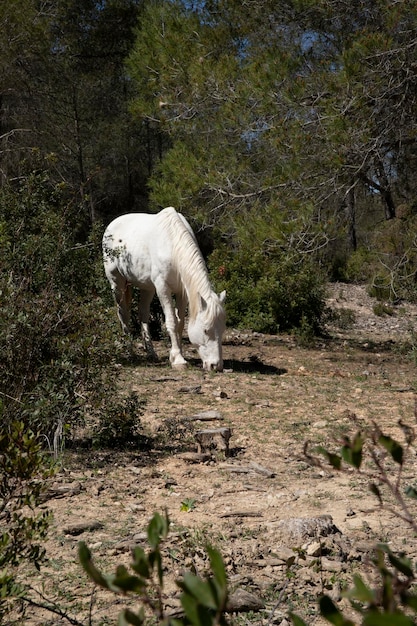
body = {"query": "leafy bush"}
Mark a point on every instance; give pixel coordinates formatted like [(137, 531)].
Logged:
[(392, 599), (203, 601), (388, 263), (269, 291), (22, 471), (56, 335), (119, 425)]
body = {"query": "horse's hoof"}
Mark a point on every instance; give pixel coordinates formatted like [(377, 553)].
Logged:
[(179, 366)]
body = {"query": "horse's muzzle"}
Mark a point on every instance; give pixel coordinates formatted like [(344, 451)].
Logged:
[(213, 367)]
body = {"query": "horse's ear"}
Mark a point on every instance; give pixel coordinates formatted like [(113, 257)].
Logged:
[(222, 297), (203, 303)]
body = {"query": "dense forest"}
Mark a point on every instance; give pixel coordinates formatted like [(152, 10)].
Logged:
[(286, 132)]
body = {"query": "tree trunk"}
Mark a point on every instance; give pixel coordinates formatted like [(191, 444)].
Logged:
[(386, 194), (351, 218)]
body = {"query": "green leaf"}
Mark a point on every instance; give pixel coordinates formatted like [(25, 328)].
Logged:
[(330, 612), (200, 590), (140, 563), (86, 561), (189, 604), (217, 566), (197, 614), (157, 529), (128, 617), (387, 619), (411, 601), (297, 621), (352, 451), (334, 459), (155, 561), (360, 591), (393, 447), (411, 492), (401, 562), (125, 582)]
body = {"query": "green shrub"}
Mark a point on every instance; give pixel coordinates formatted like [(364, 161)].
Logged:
[(381, 309), (361, 266), (119, 425), (203, 601), (390, 598), (269, 291), (56, 333), (381, 288), (23, 470), (388, 263)]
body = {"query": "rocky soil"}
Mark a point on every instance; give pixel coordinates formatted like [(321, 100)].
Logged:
[(288, 530)]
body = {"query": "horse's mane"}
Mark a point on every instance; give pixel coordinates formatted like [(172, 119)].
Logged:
[(189, 264)]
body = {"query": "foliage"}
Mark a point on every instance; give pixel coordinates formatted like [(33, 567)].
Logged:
[(272, 117), (203, 601), (23, 468), (119, 425), (271, 286), (393, 599), (55, 332), (67, 62)]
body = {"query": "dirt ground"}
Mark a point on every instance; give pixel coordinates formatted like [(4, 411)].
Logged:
[(244, 494)]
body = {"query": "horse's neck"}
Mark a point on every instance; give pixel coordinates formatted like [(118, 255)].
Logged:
[(191, 268), (194, 278)]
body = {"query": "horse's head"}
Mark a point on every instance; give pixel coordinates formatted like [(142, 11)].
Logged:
[(206, 331)]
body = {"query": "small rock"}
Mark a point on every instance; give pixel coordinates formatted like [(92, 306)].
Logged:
[(330, 565), (242, 601), (220, 394), (314, 549), (284, 554), (303, 527), (190, 389), (140, 537)]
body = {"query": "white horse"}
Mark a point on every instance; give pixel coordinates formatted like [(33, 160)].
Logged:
[(160, 253)]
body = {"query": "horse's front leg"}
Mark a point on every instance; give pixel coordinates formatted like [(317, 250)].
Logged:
[(172, 324), (181, 303)]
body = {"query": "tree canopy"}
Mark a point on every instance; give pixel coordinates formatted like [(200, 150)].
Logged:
[(292, 121)]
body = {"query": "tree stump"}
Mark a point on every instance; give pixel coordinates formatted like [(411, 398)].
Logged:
[(213, 439)]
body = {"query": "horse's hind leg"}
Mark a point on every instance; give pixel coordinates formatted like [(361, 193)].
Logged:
[(144, 311), (122, 292)]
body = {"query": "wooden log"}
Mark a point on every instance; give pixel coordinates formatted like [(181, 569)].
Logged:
[(242, 514), (77, 528), (195, 457), (204, 416), (259, 469), (62, 490)]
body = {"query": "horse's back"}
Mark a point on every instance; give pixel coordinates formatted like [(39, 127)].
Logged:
[(140, 224), (138, 246), (128, 226)]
